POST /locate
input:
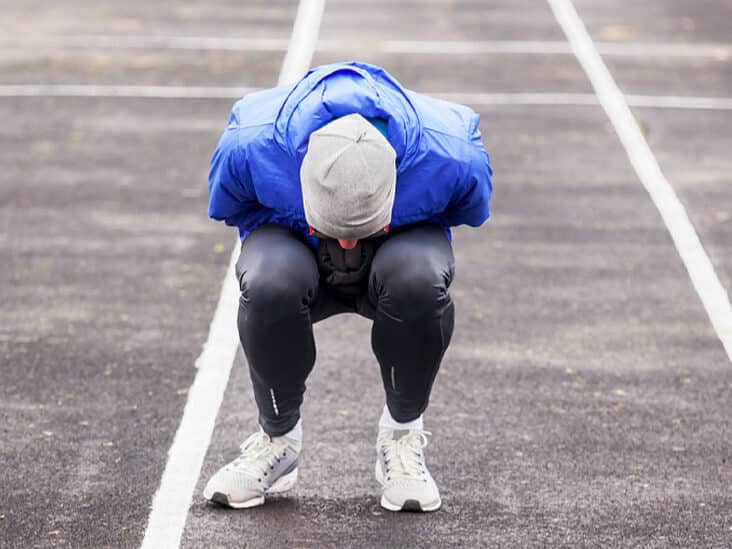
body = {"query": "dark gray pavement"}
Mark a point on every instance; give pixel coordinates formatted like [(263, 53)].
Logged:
[(674, 21), (705, 77), (33, 19), (584, 401), (356, 21), (700, 168), (109, 271), (477, 73), (122, 67)]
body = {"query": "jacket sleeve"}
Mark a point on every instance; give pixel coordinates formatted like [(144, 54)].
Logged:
[(230, 189), (470, 202)]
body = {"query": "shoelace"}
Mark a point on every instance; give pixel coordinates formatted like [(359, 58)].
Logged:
[(403, 458), (259, 453)]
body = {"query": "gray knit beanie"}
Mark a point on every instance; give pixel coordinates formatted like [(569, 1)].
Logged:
[(348, 178)]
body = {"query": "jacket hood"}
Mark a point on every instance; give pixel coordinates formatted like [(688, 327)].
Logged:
[(336, 90)]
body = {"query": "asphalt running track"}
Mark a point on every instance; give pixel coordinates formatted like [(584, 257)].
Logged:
[(585, 399)]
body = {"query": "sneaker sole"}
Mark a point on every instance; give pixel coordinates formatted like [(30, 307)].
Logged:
[(409, 505), (282, 484)]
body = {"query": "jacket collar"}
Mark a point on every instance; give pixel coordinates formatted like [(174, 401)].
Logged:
[(332, 91)]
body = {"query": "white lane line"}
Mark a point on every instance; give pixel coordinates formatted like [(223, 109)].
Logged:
[(472, 98), (462, 47), (172, 500), (581, 99), (713, 295), (305, 36), (527, 99), (720, 52), (529, 47), (680, 102), (95, 42), (138, 92)]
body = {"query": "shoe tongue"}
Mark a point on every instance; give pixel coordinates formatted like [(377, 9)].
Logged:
[(399, 433)]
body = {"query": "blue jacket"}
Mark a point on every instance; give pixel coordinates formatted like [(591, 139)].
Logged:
[(443, 170)]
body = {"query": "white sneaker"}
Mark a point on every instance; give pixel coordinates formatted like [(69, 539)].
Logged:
[(266, 466), (401, 471)]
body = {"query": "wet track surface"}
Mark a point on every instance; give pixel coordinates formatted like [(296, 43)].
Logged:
[(584, 400)]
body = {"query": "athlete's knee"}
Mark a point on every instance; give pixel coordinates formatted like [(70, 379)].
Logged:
[(277, 282), (412, 286), (276, 291)]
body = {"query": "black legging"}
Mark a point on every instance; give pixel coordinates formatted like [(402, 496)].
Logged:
[(282, 294)]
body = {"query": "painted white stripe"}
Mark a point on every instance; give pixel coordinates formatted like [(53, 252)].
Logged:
[(95, 42), (476, 99), (720, 52), (185, 457), (460, 47), (679, 102), (529, 47), (580, 99), (305, 36), (713, 295), (141, 92), (470, 98)]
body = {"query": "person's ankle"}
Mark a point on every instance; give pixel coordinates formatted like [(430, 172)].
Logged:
[(293, 437), (388, 423)]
